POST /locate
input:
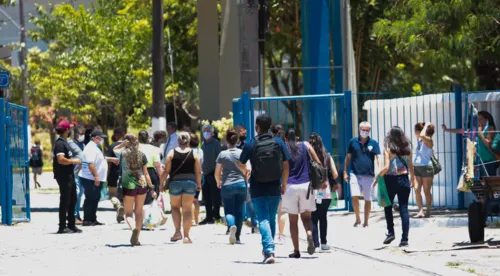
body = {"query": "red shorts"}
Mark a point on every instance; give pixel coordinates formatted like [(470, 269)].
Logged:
[(135, 192)]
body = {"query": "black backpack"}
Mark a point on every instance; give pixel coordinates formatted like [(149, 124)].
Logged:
[(267, 159)]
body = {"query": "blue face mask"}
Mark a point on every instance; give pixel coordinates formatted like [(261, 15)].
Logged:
[(207, 135)]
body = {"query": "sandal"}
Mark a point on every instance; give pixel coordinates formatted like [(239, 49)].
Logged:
[(295, 254), (176, 237), (310, 245), (134, 240), (187, 241)]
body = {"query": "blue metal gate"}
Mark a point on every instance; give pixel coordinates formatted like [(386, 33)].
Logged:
[(302, 113), (14, 167)]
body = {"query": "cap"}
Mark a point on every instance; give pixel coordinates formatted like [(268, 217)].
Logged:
[(64, 124), (97, 133)]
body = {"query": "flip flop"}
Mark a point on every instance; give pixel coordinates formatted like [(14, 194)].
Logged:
[(176, 237), (310, 245), (135, 237), (187, 241)]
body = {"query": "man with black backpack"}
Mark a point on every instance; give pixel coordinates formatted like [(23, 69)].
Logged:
[(268, 156)]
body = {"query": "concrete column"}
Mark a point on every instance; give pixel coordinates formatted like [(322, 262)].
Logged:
[(316, 53), (230, 56), (208, 59)]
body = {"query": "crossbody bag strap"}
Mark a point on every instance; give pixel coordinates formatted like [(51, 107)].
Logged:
[(183, 161), (404, 163)]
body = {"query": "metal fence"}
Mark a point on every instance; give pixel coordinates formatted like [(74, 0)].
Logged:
[(325, 114), (14, 170)]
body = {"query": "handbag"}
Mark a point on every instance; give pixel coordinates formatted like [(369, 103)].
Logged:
[(178, 168), (436, 166), (317, 173)]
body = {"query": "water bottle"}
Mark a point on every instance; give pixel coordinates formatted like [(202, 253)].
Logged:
[(319, 197)]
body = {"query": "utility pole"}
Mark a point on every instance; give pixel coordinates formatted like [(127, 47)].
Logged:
[(171, 65), (159, 121), (263, 18), (22, 60)]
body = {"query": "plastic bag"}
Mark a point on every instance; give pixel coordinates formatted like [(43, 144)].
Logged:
[(335, 199), (152, 215), (383, 196), (164, 202), (374, 195), (104, 192)]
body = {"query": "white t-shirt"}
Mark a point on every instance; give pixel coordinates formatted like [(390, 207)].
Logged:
[(92, 154)]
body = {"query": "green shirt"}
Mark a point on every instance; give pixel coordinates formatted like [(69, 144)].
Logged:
[(130, 179), (152, 154)]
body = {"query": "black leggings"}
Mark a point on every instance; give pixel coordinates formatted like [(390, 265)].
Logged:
[(320, 215), (155, 180)]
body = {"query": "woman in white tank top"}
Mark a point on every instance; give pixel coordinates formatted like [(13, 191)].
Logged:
[(424, 171)]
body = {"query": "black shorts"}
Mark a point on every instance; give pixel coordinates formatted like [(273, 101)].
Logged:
[(113, 181)]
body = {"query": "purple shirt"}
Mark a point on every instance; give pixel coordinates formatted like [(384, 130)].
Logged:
[(299, 166)]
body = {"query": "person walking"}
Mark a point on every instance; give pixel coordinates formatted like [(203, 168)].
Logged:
[(77, 146), (154, 165), (424, 170), (268, 158), (211, 194), (398, 165), (114, 175), (184, 169), (36, 162), (92, 175), (277, 131), (296, 200), (63, 173), (194, 143), (323, 196), (232, 182), (135, 182), (171, 141), (362, 152)]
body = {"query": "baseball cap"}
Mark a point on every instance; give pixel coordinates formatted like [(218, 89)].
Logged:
[(64, 124), (97, 133)]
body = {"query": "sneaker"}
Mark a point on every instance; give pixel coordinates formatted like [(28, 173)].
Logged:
[(403, 244), (232, 234), (87, 223), (238, 242), (64, 231), (325, 247), (75, 229), (96, 223), (120, 213), (389, 238), (207, 221), (78, 221), (269, 259), (255, 230), (280, 240)]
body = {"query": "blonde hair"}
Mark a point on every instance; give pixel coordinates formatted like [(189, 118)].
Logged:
[(183, 138)]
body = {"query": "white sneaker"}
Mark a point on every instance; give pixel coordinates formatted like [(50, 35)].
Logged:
[(325, 247), (232, 234), (280, 240)]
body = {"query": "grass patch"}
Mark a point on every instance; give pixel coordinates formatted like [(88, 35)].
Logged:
[(470, 270), (453, 264)]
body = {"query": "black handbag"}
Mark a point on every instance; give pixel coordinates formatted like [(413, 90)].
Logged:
[(317, 173)]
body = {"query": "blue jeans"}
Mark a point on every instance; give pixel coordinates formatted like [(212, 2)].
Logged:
[(398, 185), (266, 209), (80, 190), (234, 197), (250, 212), (92, 197)]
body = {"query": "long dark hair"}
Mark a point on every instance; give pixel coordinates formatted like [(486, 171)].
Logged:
[(397, 142), (488, 117), (143, 137), (291, 142), (317, 144)]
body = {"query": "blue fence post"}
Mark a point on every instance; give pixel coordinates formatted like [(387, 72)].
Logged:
[(460, 142), (237, 112), (246, 118), (9, 183), (26, 168), (3, 164), (347, 137)]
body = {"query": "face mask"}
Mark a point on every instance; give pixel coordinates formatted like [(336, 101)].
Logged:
[(207, 135), (243, 138), (81, 138), (101, 142), (364, 134)]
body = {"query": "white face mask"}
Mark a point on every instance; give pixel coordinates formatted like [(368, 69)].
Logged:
[(364, 134), (81, 138), (101, 142)]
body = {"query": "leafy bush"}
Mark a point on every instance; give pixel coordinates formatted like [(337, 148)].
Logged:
[(222, 125)]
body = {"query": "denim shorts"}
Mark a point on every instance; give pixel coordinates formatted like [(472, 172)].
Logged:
[(180, 187)]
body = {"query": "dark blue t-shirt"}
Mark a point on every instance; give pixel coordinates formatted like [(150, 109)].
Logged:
[(363, 156), (258, 189)]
